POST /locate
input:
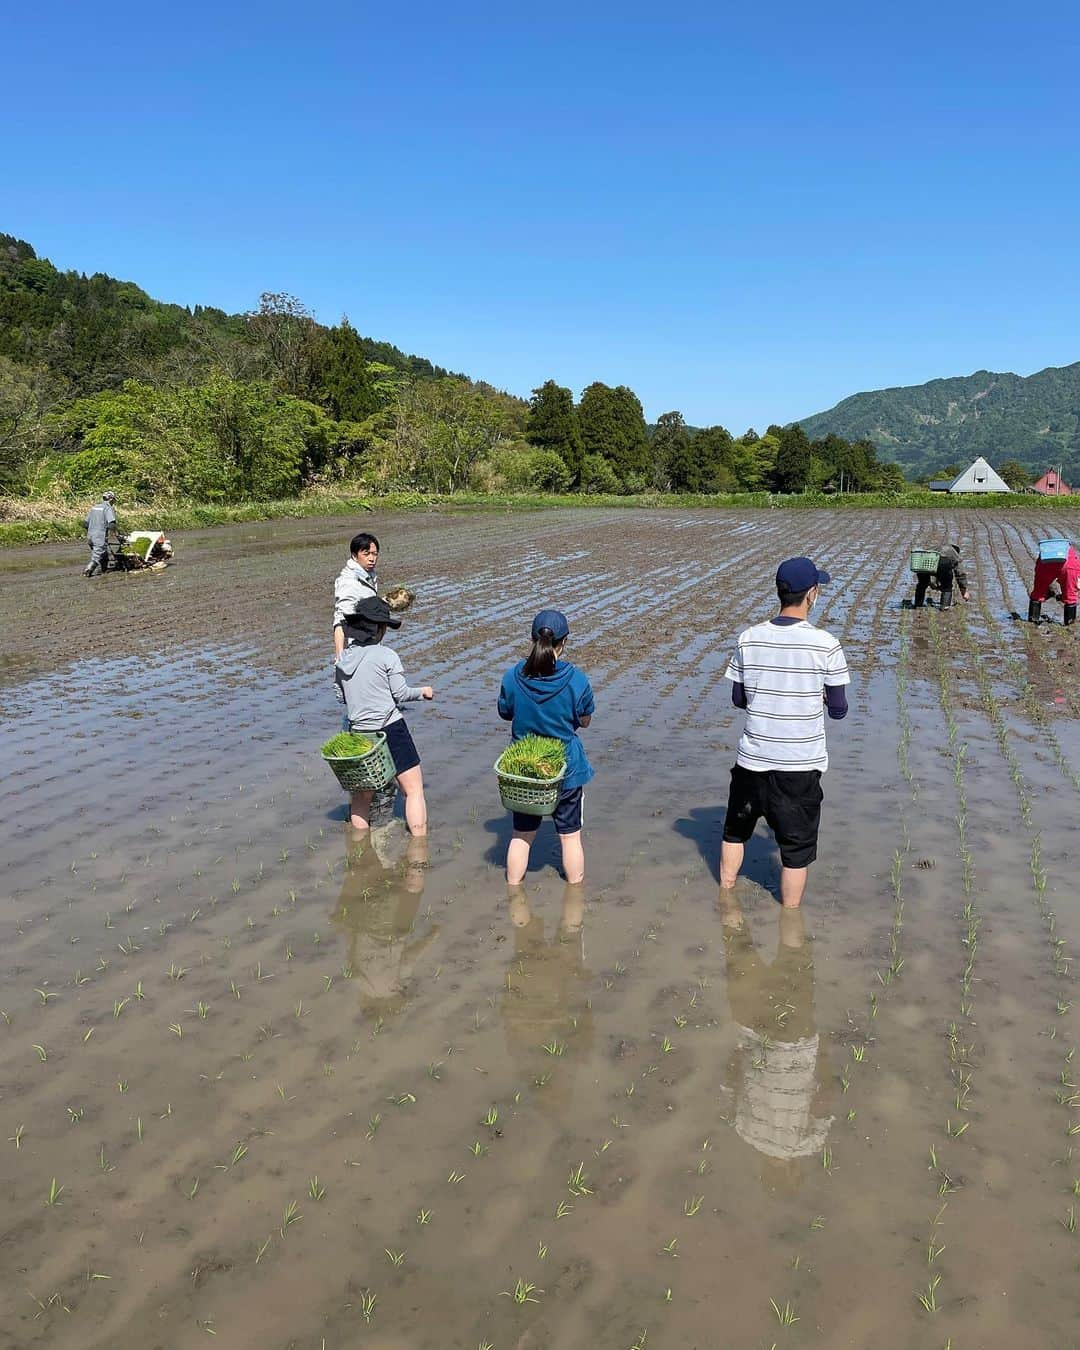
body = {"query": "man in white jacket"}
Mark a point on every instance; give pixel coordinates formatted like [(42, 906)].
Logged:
[(355, 582)]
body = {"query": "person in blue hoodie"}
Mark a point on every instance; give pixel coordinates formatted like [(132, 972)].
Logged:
[(546, 696)]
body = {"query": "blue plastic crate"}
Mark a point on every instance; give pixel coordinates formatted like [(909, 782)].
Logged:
[(1053, 550)]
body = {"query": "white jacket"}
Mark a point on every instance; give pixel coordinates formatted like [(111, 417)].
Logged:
[(353, 584)]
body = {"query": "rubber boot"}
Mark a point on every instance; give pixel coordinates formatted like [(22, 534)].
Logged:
[(1070, 615), (1034, 611), (946, 600)]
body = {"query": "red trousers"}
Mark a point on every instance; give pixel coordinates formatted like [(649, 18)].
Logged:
[(1066, 574)]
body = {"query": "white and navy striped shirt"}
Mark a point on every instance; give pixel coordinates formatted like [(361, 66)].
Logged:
[(784, 668)]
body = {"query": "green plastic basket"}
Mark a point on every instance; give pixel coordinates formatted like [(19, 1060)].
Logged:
[(925, 559), (530, 796), (373, 770)]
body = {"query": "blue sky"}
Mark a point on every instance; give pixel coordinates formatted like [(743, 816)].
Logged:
[(743, 212)]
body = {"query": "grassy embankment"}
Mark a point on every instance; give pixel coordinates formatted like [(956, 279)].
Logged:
[(25, 521)]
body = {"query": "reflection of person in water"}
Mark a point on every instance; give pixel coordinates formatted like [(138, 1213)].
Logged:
[(775, 1067), (545, 994), (385, 873)]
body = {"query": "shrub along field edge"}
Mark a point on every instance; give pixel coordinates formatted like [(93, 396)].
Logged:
[(22, 521)]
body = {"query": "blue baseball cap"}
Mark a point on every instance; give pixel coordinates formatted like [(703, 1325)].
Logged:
[(799, 574), (553, 619)]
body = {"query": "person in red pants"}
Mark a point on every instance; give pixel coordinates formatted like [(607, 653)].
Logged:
[(1066, 573)]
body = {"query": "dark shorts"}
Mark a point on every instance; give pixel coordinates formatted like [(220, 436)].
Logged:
[(567, 816), (403, 749), (790, 803)]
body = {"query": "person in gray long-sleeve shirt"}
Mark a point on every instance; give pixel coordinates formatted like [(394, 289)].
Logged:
[(950, 570), (99, 522), (371, 682)]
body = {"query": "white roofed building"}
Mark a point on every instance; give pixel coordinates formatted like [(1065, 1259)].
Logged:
[(979, 477)]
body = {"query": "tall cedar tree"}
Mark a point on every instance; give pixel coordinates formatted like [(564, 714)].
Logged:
[(792, 459), (553, 425), (342, 376), (669, 443), (613, 426)]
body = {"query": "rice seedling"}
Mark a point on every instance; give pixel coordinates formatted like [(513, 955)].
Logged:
[(139, 1127), (315, 1189), (373, 1126), (289, 1217), (45, 995), (423, 1217), (193, 1189), (121, 1085), (176, 972), (563, 1208), (786, 1315), (929, 1299), (455, 1177), (477, 1149), (75, 1114), (42, 1053), (641, 1341), (177, 1030), (263, 1249), (817, 1223), (693, 1205), (578, 1181), (367, 1305), (395, 1258), (669, 1247), (119, 1005), (239, 1153), (17, 1137), (542, 1250), (492, 1117), (55, 1192), (523, 1292), (282, 1093)]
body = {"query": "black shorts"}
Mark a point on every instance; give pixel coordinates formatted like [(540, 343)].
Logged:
[(790, 803), (569, 811), (402, 748)]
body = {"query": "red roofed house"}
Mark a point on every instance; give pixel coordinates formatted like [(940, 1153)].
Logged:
[(1051, 485)]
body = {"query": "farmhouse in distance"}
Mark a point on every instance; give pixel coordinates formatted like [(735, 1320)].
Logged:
[(979, 476)]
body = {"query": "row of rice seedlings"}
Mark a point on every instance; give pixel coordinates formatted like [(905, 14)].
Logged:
[(1067, 1096), (960, 1048)]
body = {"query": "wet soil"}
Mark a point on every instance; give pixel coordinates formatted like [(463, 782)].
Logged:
[(290, 1089)]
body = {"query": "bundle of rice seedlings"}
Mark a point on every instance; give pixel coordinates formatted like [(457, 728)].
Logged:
[(347, 745), (399, 598), (539, 757)]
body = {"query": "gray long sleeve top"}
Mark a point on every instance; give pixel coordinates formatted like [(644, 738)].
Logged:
[(371, 683), (99, 522)]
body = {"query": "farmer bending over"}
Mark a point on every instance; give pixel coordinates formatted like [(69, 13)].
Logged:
[(783, 672), (949, 570), (1066, 573), (99, 522), (355, 582)]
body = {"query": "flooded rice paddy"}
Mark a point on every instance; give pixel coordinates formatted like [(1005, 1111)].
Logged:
[(264, 1084)]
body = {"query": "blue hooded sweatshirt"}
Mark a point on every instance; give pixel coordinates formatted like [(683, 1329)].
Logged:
[(550, 705)]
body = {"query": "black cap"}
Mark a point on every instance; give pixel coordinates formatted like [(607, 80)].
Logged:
[(370, 613)]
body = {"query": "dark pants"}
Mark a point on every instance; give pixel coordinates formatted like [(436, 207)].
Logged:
[(99, 558), (944, 580)]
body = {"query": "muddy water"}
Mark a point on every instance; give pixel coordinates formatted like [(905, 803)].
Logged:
[(297, 1091)]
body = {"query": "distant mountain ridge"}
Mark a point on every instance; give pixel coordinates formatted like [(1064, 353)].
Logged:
[(1034, 419)]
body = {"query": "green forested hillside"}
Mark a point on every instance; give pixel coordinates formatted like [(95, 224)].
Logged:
[(1032, 419), (103, 386)]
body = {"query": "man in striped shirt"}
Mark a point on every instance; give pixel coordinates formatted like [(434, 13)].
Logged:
[(785, 673)]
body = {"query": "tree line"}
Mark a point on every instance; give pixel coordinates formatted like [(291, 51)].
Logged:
[(100, 385)]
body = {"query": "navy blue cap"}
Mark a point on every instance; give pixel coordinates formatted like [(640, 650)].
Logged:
[(799, 574), (553, 619)]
